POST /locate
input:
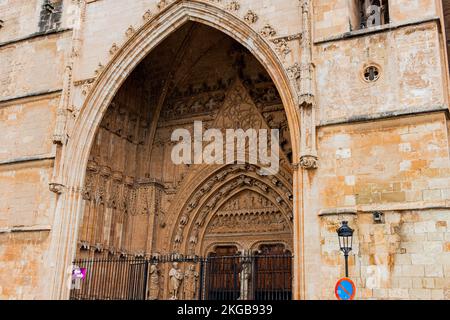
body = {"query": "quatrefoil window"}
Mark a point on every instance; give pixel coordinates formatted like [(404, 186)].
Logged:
[(371, 74)]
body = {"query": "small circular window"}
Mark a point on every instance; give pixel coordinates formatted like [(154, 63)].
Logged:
[(371, 74)]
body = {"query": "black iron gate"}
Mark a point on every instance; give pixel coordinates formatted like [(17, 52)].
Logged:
[(238, 277)]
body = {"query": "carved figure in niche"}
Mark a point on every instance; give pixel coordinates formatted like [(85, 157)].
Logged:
[(179, 236), (194, 237), (184, 220), (235, 204), (207, 186), (176, 278), (153, 292)]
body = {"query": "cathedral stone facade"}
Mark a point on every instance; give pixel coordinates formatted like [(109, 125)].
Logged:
[(92, 90)]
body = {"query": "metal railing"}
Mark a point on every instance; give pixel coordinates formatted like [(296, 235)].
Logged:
[(238, 277)]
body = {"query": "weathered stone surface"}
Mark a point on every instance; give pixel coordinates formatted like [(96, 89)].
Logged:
[(383, 145)]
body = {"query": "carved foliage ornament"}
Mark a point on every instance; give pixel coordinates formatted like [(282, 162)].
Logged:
[(233, 6), (282, 47), (294, 71), (251, 17), (162, 4)]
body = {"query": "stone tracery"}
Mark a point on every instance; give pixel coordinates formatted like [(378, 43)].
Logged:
[(138, 203)]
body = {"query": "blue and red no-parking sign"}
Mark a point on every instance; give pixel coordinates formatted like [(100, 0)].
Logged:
[(345, 289)]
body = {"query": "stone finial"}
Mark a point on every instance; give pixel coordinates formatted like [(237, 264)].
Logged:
[(130, 31), (147, 15), (282, 47), (99, 69), (114, 48)]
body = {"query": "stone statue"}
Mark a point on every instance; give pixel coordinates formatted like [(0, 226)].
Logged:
[(244, 276), (176, 277), (191, 277), (153, 292)]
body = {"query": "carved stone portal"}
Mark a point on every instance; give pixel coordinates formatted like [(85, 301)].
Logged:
[(138, 202)]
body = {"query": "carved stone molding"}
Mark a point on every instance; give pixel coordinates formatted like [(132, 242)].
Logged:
[(306, 97), (85, 84), (289, 37)]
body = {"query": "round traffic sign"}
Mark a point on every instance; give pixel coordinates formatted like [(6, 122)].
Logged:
[(345, 289)]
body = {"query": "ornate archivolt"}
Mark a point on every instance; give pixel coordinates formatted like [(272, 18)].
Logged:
[(215, 191), (248, 217), (151, 16), (116, 196), (80, 130)]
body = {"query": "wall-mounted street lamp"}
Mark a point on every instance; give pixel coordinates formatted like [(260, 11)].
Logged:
[(345, 234)]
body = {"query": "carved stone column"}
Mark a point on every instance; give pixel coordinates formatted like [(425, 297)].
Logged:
[(307, 102), (64, 236), (148, 203), (65, 106)]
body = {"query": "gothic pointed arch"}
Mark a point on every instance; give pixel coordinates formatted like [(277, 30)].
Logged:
[(71, 172)]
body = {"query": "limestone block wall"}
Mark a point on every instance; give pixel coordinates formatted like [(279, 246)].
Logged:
[(402, 161), (409, 61), (32, 60), (400, 167), (27, 127), (405, 257), (21, 76), (333, 18)]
